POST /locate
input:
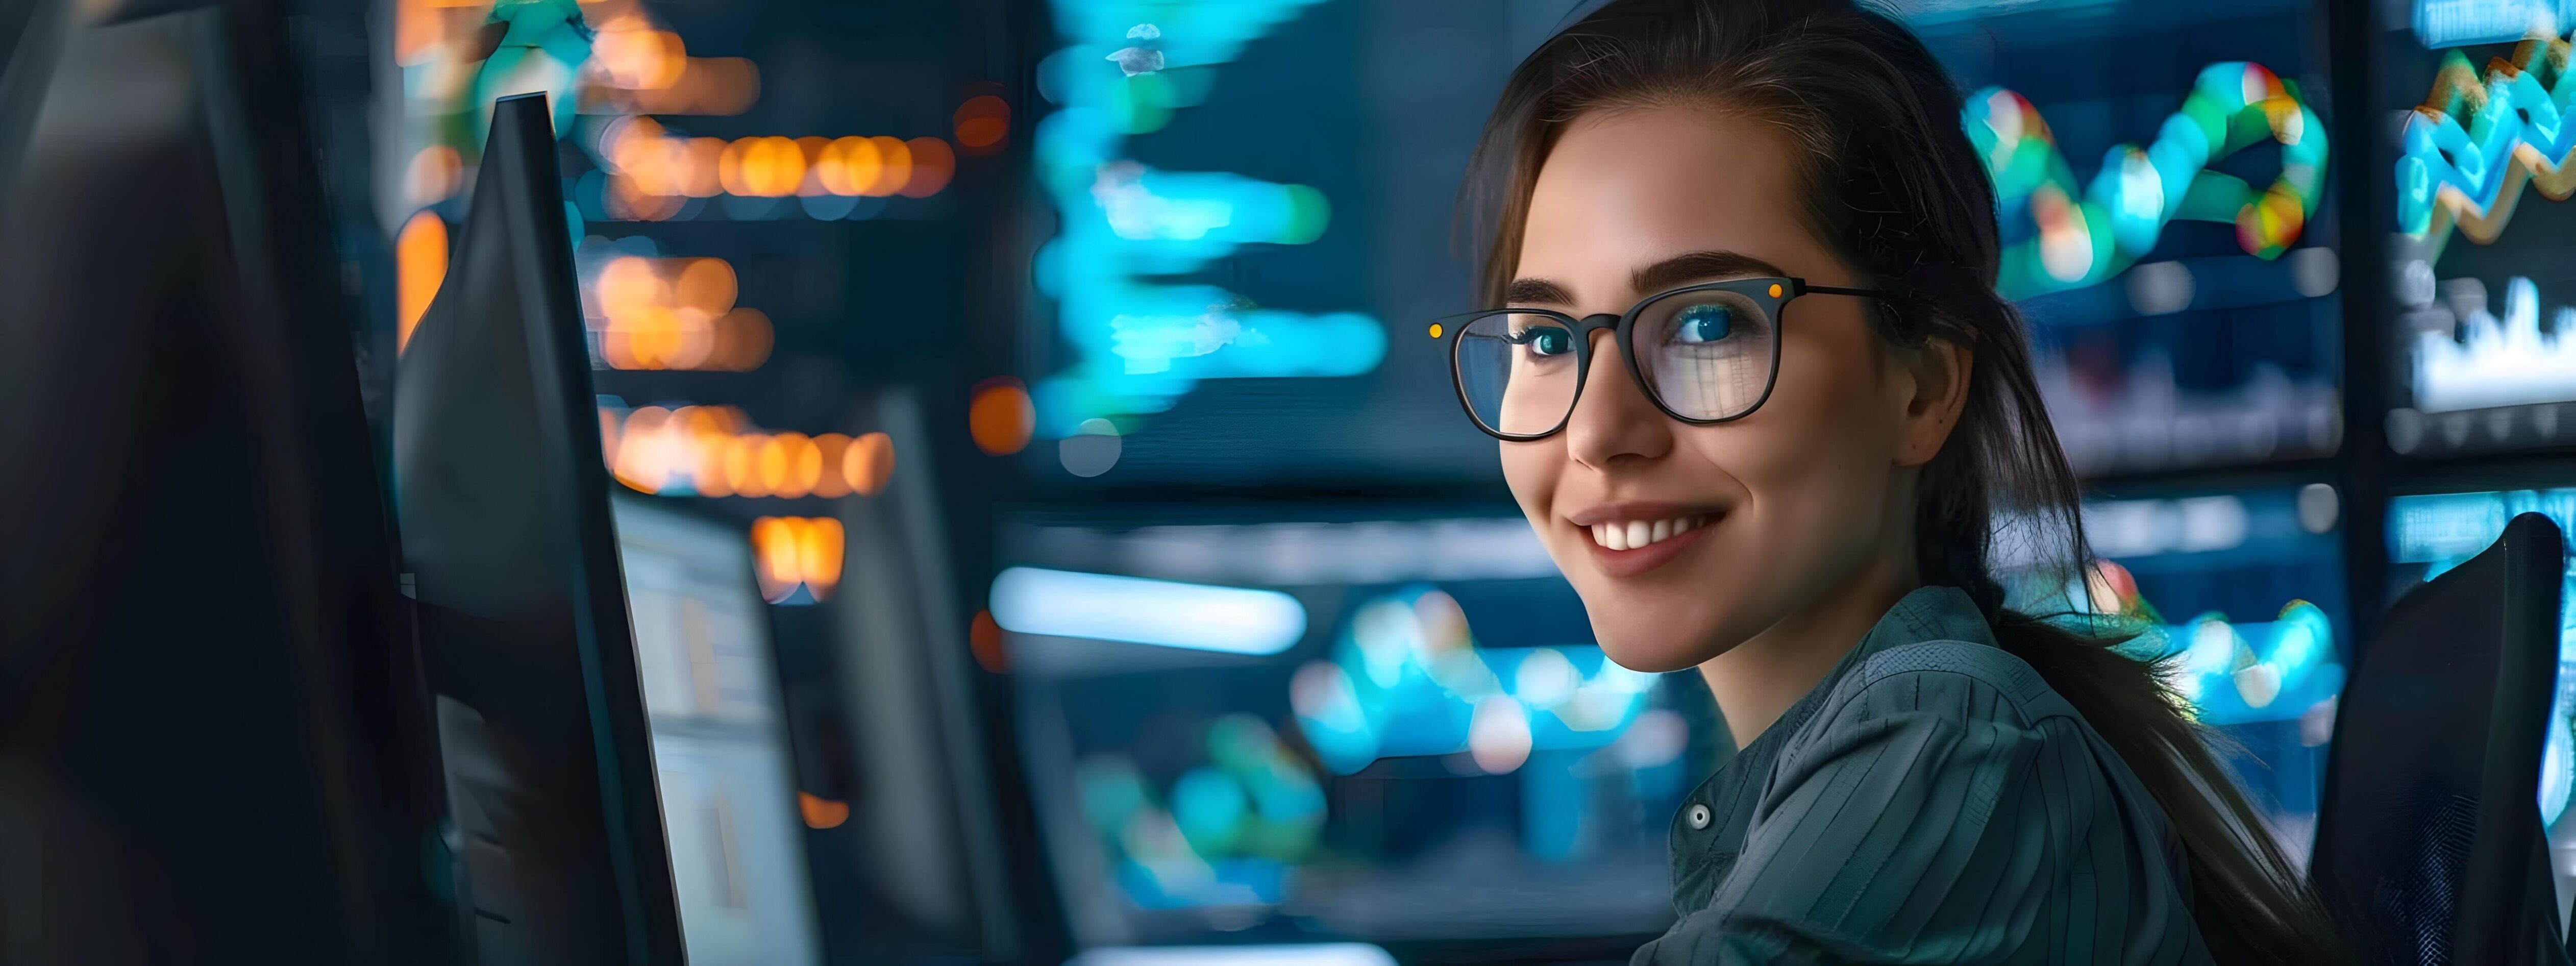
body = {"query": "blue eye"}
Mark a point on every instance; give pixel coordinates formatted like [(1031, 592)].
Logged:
[(1547, 340), (1703, 323)]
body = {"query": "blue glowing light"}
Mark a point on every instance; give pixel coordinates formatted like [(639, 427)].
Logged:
[(1139, 340), (2455, 23), (2241, 673), (1058, 603), (1407, 679), (2468, 151)]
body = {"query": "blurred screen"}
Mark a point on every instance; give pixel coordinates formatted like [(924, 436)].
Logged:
[(1255, 206), (2431, 533), (1374, 730), (719, 739), (2486, 305), (2243, 592), (2161, 168)]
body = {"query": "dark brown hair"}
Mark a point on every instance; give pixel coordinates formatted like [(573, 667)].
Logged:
[(1893, 187)]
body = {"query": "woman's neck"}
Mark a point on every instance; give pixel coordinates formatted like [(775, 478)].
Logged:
[(1756, 681)]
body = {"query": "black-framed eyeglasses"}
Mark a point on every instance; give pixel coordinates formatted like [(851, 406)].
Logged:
[(1705, 353)]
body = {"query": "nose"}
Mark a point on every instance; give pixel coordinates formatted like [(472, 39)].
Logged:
[(1614, 422)]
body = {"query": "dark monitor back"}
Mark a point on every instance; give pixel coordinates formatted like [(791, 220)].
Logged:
[(210, 739), (2429, 840), (507, 533)]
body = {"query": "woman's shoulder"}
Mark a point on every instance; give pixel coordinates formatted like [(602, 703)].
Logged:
[(1968, 681)]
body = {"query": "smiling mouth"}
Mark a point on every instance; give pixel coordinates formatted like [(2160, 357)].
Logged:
[(1639, 534)]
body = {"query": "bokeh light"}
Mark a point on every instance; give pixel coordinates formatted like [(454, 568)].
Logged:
[(984, 639), (932, 165), (1001, 417), (668, 313), (420, 265), (868, 463), (713, 451), (821, 813), (982, 124), (793, 554)]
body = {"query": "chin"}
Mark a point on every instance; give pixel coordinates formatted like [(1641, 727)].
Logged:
[(1651, 647)]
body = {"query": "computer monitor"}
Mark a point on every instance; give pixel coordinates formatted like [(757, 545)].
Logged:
[(512, 550), (720, 751), (1389, 731), (213, 746)]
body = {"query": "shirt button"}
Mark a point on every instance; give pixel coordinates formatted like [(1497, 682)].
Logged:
[(1698, 816)]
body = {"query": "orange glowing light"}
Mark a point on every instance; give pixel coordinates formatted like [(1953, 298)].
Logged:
[(641, 462), (630, 286), (982, 124), (984, 639), (420, 264), (789, 552), (818, 555), (1001, 417), (1435, 330), (830, 481), (773, 544), (608, 435), (638, 58), (707, 285), (821, 813), (705, 85), (743, 340), (771, 463), (742, 465), (767, 167), (812, 149), (932, 164), (894, 166), (868, 463), (434, 175), (848, 166)]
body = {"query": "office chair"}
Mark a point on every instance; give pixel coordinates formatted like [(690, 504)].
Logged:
[(2429, 839)]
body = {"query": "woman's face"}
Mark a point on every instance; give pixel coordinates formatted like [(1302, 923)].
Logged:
[(1768, 515)]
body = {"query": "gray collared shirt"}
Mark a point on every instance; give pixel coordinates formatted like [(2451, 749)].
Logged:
[(1932, 800)]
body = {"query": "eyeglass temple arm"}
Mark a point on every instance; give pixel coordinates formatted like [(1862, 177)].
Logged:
[(1806, 289)]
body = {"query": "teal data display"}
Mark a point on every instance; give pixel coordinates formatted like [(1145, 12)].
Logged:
[(1433, 760), (2485, 333), (1131, 236), (2160, 173)]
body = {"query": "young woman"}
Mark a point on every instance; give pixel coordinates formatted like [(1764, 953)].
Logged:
[(1762, 404)]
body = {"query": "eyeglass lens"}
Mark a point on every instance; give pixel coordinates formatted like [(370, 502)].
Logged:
[(1705, 355)]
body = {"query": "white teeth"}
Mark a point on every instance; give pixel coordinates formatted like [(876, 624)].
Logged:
[(1631, 534)]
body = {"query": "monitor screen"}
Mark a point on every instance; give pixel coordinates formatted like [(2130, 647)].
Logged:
[(2161, 171), (2431, 533), (2485, 303), (1383, 731), (2243, 592), (720, 753)]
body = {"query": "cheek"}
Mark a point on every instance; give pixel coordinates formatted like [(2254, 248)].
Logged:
[(1531, 469), (1822, 446)]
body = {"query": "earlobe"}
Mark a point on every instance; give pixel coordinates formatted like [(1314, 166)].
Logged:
[(1941, 372)]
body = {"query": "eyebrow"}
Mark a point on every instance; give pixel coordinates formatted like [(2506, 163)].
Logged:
[(1670, 273)]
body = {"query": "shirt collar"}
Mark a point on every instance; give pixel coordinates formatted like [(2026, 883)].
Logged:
[(1925, 614)]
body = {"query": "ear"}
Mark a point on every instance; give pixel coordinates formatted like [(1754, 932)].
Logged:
[(1940, 371)]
